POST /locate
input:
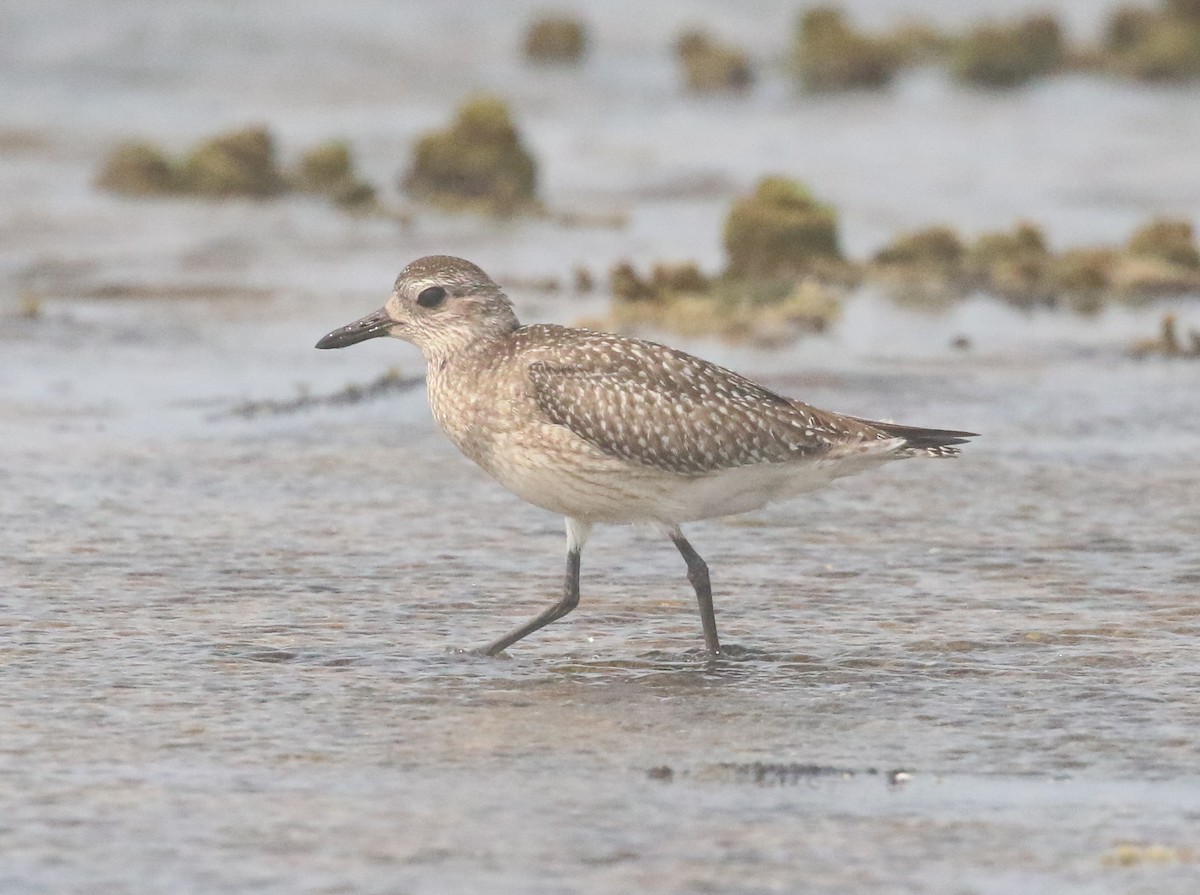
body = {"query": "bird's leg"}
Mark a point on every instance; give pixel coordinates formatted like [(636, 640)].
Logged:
[(577, 533), (698, 576)]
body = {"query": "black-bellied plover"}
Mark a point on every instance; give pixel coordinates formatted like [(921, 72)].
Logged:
[(606, 428)]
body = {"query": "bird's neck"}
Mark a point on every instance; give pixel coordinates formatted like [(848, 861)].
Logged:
[(467, 347)]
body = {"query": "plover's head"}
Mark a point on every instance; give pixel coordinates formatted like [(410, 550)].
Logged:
[(440, 304)]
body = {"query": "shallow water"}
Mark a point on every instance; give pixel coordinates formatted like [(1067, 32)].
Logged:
[(230, 644)]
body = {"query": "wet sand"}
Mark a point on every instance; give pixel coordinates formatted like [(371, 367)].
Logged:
[(231, 660)]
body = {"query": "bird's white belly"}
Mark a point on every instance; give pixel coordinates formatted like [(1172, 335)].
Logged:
[(745, 488), (611, 491), (595, 488)]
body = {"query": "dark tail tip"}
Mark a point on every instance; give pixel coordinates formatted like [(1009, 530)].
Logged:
[(924, 439)]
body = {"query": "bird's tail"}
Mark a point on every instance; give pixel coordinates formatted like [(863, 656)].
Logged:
[(931, 442)]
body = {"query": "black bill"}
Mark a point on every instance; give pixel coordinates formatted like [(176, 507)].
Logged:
[(369, 327)]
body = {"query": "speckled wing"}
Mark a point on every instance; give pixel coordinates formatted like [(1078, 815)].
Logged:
[(662, 408)]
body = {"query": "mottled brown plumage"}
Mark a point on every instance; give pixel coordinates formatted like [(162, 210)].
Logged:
[(605, 428)]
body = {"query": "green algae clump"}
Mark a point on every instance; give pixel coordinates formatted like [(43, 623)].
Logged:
[(478, 163), (238, 163), (1084, 271), (328, 169), (683, 277), (1160, 258), (325, 167), (665, 280), (135, 168), (830, 55), (1168, 52), (923, 268), (1010, 55), (780, 229), (626, 284), (1127, 27), (1013, 265), (1169, 239), (767, 312), (932, 266), (1156, 45), (918, 43), (937, 247), (556, 40), (711, 67)]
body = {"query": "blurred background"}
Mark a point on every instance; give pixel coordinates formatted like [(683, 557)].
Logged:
[(898, 116), (233, 570)]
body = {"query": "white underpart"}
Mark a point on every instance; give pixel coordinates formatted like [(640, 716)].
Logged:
[(577, 533), (747, 488), (612, 491)]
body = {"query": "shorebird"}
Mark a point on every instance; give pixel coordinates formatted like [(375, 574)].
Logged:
[(603, 428)]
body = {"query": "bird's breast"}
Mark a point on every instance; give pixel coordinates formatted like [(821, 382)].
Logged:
[(476, 409)]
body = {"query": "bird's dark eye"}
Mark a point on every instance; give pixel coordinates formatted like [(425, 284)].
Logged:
[(431, 297)]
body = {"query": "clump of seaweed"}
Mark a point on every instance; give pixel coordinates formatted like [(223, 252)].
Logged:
[(685, 277), (932, 247), (479, 163), (767, 313), (711, 67), (936, 266), (238, 163), (1013, 265), (766, 319), (1084, 277), (917, 43), (1144, 43), (785, 275), (1085, 270), (781, 230), (1155, 44), (664, 280), (137, 168), (1169, 239), (582, 280), (325, 167), (830, 55), (626, 284), (328, 169), (996, 55), (924, 267), (1160, 259), (1128, 26), (556, 40)]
